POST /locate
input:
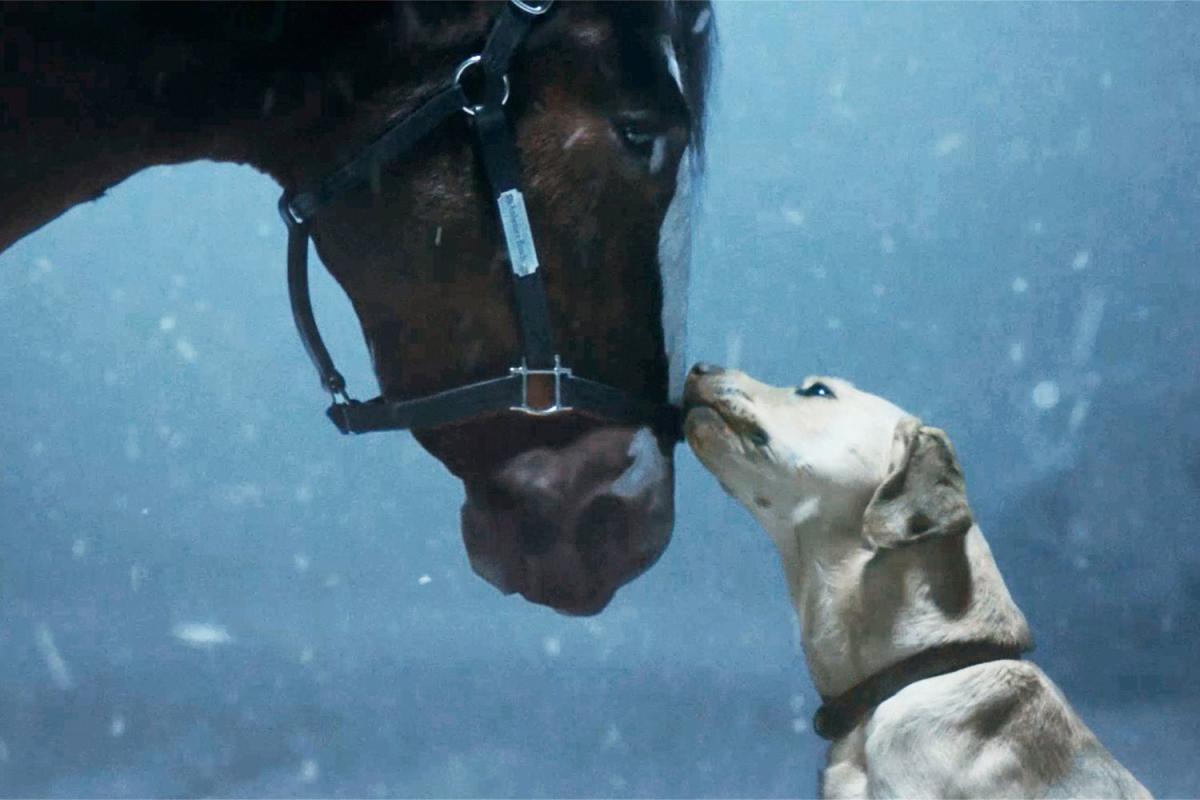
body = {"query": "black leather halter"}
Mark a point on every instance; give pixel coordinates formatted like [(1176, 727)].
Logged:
[(499, 156)]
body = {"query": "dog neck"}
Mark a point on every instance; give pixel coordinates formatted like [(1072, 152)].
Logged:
[(839, 715), (862, 610)]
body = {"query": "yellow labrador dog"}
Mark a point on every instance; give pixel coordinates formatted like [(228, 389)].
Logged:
[(910, 634)]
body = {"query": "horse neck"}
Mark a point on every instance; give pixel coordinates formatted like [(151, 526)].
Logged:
[(54, 165), (95, 99)]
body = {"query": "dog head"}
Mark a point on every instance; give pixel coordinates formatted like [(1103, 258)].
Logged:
[(825, 449), (846, 483)]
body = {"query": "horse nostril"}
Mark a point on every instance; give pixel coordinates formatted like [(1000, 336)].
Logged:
[(705, 368)]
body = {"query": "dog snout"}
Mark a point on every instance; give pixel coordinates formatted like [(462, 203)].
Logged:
[(711, 385), (705, 368)]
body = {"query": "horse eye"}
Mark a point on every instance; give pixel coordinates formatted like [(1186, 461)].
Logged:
[(817, 389), (638, 136)]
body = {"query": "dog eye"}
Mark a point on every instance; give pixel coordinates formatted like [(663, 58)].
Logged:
[(817, 389)]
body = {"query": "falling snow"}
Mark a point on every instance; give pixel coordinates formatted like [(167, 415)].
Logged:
[(612, 737), (56, 665), (1079, 413), (185, 350), (1016, 352), (733, 350), (137, 576), (1087, 326), (201, 634), (1045, 395), (309, 771), (949, 143), (793, 216)]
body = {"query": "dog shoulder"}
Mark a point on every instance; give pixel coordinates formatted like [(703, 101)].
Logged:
[(1001, 728)]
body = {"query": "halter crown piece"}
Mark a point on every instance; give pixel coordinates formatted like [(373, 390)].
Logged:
[(499, 156)]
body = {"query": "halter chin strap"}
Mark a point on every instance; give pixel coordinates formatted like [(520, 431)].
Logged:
[(839, 715), (498, 153)]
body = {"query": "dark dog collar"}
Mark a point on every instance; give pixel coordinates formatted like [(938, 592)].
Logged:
[(839, 715)]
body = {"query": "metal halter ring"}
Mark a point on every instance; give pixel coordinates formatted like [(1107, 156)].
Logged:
[(458, 73), (290, 217), (533, 9)]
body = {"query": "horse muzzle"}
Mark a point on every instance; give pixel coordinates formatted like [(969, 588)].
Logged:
[(566, 527)]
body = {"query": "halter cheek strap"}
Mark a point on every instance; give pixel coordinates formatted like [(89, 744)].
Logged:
[(498, 154)]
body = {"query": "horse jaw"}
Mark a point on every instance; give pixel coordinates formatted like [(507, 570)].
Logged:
[(566, 527)]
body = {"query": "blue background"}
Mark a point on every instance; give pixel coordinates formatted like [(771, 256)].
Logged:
[(989, 214)]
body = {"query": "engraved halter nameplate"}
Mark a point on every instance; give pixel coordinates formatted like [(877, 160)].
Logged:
[(517, 235)]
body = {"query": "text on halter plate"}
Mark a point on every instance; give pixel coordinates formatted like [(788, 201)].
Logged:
[(517, 234)]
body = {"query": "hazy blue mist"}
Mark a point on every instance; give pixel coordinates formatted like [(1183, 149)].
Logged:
[(989, 214)]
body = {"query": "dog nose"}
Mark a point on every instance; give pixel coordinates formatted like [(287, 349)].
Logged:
[(705, 368)]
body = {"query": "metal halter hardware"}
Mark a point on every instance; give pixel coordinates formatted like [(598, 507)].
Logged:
[(558, 371), (498, 156), (473, 109), (535, 9)]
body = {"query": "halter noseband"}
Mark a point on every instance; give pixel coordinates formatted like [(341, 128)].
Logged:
[(499, 156)]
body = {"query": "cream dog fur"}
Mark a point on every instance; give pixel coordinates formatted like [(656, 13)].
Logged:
[(892, 580)]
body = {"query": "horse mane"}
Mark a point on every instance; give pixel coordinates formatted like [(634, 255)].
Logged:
[(685, 33)]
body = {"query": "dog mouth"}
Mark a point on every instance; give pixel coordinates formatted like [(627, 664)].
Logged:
[(723, 406)]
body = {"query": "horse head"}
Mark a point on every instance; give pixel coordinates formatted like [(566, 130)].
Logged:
[(563, 508)]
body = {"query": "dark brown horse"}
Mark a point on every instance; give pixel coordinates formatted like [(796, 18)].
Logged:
[(604, 100)]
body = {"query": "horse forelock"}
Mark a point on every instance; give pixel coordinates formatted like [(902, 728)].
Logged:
[(682, 36), (692, 32)]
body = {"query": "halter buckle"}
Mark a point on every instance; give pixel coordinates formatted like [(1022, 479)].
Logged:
[(474, 108), (558, 371)]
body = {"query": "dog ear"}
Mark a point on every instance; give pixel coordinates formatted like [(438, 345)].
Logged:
[(923, 494)]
